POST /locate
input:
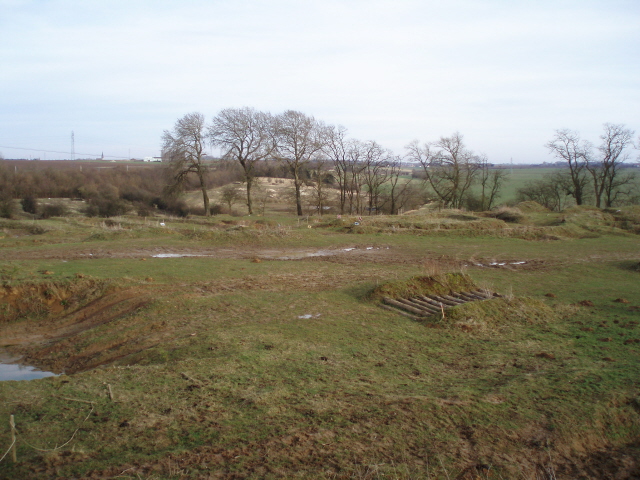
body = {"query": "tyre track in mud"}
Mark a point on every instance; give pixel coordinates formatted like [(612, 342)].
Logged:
[(52, 343)]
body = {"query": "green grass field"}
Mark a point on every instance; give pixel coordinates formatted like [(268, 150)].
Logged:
[(261, 353), (518, 178)]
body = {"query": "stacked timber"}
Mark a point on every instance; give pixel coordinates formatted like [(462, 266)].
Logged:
[(421, 306)]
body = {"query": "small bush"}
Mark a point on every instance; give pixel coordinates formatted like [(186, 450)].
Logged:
[(53, 210), (474, 203), (172, 205), (178, 207), (110, 224), (106, 207), (7, 206), (216, 209), (199, 211), (29, 204), (135, 194), (144, 210), (112, 208), (91, 210), (36, 230)]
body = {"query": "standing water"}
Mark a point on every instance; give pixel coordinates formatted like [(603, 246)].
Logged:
[(12, 371), (20, 372)]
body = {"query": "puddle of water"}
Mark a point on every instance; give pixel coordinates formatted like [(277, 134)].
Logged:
[(20, 372), (271, 255), (496, 264), (319, 253), (178, 255), (300, 255)]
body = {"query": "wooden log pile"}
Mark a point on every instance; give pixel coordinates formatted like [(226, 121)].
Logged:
[(422, 306)]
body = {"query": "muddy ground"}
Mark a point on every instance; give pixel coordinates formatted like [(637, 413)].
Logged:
[(355, 254)]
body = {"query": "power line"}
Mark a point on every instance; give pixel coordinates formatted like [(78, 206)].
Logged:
[(66, 153)]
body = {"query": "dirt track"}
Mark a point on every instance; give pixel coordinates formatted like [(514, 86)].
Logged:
[(347, 255)]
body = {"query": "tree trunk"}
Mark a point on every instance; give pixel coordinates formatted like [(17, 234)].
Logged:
[(296, 183), (249, 182), (205, 195), (393, 202)]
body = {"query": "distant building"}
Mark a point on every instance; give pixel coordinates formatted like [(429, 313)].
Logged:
[(152, 159)]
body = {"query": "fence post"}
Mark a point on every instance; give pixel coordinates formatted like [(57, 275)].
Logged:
[(111, 396), (12, 423)]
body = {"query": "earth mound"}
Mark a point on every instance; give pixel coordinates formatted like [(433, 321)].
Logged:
[(444, 284)]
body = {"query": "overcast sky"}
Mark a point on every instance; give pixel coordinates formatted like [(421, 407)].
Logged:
[(504, 73)]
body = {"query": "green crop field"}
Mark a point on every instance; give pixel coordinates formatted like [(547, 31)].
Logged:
[(518, 178), (257, 347)]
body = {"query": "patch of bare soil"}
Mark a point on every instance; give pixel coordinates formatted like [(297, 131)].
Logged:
[(347, 255), (50, 342), (244, 252)]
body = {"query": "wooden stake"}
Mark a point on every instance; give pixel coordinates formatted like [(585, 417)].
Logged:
[(110, 393), (12, 423), (73, 399)]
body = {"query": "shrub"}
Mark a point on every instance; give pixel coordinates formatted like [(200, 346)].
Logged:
[(199, 211), (216, 209), (57, 209), (29, 204), (135, 194), (106, 207), (7, 206), (174, 206), (91, 210), (472, 203), (144, 210)]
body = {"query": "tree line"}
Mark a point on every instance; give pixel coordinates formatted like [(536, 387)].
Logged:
[(594, 174), (357, 177), (107, 189), (367, 176)]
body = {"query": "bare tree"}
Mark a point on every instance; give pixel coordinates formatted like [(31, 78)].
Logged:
[(449, 167), (245, 135), (355, 165), (183, 149), (398, 192), (567, 146), (336, 148), (299, 141), (320, 178), (605, 169), (491, 182), (375, 173)]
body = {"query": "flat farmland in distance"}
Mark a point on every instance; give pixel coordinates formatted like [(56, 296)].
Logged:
[(518, 178)]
